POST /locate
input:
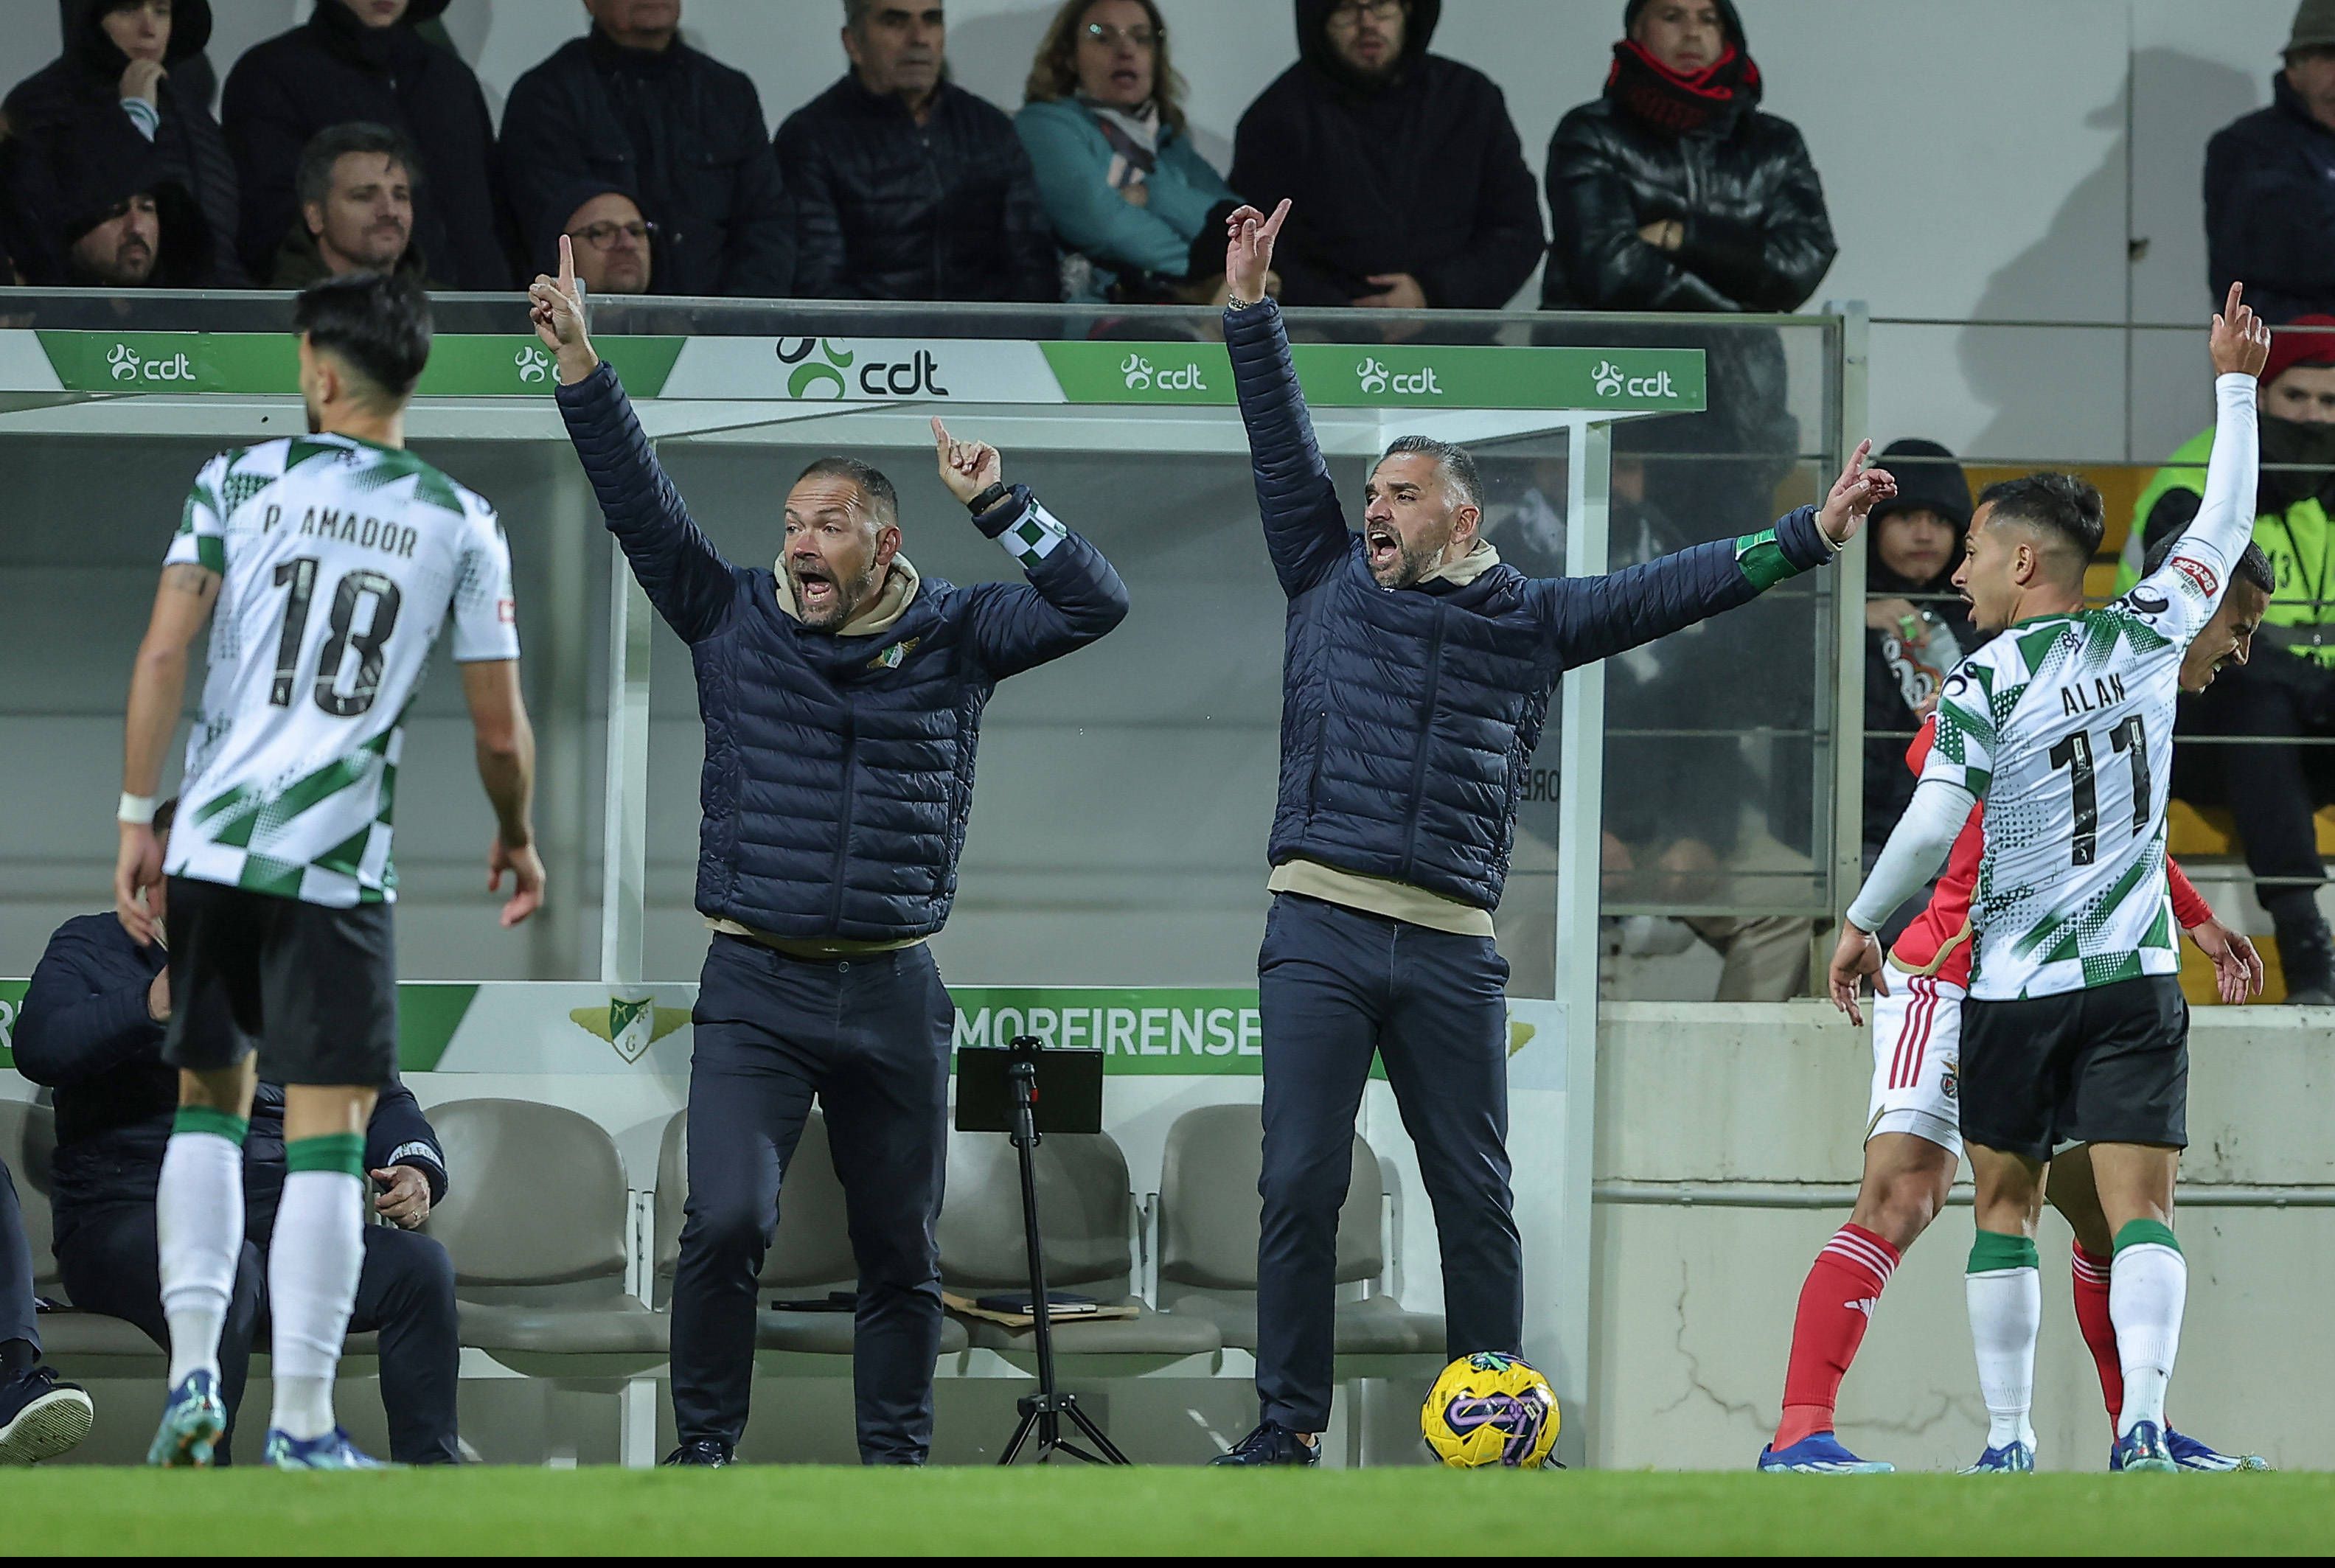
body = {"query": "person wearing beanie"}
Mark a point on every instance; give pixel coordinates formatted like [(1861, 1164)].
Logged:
[(2270, 182), (143, 61), (2271, 785), (115, 218)]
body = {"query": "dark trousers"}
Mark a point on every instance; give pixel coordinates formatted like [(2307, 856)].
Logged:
[(18, 1313), (2271, 789), (870, 1038), (1335, 986), (111, 1263)]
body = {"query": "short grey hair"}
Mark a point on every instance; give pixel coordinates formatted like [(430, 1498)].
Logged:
[(313, 182), (1457, 466)]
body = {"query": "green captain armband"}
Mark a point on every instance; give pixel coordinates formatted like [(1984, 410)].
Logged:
[(1763, 560)]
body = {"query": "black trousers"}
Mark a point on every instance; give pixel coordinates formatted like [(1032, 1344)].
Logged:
[(2271, 785), (868, 1038), (1335, 986), (111, 1263), (18, 1316)]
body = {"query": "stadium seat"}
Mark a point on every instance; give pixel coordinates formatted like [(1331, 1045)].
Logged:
[(1086, 1212), (1208, 1221), (536, 1220), (79, 1344), (810, 1255)]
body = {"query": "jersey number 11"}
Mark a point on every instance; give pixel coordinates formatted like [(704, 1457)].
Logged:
[(2075, 754)]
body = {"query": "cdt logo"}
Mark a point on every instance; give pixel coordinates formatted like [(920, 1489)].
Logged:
[(533, 365), (124, 363), (1138, 372), (1373, 376), (1608, 376), (1611, 382), (1376, 378), (1142, 375), (915, 376)]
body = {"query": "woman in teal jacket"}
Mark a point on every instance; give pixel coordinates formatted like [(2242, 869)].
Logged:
[(1141, 212)]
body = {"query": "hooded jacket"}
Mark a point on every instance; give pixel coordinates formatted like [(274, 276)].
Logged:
[(1899, 672), (886, 208), (83, 83), (95, 161), (333, 69), (684, 135), (2270, 208), (1419, 172)]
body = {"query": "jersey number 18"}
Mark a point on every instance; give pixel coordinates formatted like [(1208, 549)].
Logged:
[(300, 575)]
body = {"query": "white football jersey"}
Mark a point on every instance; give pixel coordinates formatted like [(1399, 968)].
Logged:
[(340, 561), (2063, 726)]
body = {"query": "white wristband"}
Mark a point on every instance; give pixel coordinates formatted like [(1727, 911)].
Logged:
[(138, 810)]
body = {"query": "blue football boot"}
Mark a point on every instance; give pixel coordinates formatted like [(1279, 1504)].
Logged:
[(1819, 1453), (194, 1418), (333, 1451), (2189, 1454), (2142, 1449), (2010, 1459)]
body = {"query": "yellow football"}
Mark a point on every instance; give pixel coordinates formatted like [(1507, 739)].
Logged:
[(1489, 1408)]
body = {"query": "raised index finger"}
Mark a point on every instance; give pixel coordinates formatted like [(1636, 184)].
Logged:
[(567, 266), (2230, 305)]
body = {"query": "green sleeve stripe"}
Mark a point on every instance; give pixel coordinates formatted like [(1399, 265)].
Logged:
[(210, 550), (1763, 561)]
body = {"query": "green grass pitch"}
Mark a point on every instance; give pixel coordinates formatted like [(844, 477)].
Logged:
[(802, 1510)]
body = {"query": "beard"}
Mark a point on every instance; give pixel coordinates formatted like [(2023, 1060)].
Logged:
[(825, 600)]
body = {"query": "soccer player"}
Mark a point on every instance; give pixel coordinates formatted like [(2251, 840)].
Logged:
[(326, 566), (1418, 673), (2075, 1030), (1913, 1140)]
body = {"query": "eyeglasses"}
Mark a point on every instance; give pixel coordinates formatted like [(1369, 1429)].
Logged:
[(602, 236), (1350, 13), (1112, 37)]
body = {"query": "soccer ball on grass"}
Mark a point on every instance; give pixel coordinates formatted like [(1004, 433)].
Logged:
[(1489, 1408)]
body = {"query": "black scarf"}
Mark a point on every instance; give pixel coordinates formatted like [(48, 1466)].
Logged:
[(1712, 98)]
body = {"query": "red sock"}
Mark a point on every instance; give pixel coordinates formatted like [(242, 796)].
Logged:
[(2091, 1280), (1843, 1288)]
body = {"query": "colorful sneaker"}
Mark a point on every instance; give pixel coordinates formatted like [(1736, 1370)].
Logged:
[(2192, 1455), (2010, 1459), (193, 1421), (1819, 1453), (2142, 1449), (41, 1417), (1271, 1444), (333, 1451)]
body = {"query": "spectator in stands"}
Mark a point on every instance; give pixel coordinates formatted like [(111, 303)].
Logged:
[(362, 60), (613, 241), (1916, 626), (91, 1029), (2275, 711), (142, 59), (681, 134), (118, 220), (356, 189), (1410, 186), (2270, 182), (904, 185), (1141, 212), (39, 1417)]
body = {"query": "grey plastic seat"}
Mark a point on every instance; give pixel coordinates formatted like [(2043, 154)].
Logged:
[(534, 1220), (1086, 1212), (84, 1344), (1209, 1224), (809, 1256)]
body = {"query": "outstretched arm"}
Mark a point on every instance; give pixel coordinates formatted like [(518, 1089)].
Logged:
[(2191, 581), (684, 574), (1303, 529)]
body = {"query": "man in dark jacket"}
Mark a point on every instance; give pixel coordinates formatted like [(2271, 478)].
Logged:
[(1409, 185), (356, 188), (904, 185), (2270, 183), (842, 700), (120, 221), (40, 1416), (1413, 642), (633, 104), (363, 60), (91, 1027), (144, 61), (614, 240)]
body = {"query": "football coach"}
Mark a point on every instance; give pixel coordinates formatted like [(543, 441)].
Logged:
[(1416, 678), (842, 696)]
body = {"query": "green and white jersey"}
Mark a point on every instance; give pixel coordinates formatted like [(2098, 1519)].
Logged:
[(2063, 726), (342, 560)]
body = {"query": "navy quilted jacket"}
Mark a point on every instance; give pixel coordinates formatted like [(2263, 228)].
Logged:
[(1409, 716), (838, 773)]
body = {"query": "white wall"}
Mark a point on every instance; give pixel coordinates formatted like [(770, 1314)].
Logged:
[(1985, 159)]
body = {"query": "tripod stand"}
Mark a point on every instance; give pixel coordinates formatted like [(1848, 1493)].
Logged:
[(1043, 1412)]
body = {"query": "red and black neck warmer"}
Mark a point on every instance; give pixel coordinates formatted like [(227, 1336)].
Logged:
[(1709, 99)]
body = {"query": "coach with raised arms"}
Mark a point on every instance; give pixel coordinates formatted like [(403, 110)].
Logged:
[(1417, 679), (842, 696)]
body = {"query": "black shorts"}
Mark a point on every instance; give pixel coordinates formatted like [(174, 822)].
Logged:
[(2105, 1065), (313, 990)]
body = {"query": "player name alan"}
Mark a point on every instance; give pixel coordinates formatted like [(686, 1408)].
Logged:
[(2082, 697), (324, 523)]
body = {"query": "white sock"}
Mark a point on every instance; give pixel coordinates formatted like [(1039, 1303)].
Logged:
[(2148, 1286), (2006, 1314), (199, 1221), (313, 1263)]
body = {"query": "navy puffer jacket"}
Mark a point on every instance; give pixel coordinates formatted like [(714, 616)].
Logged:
[(1410, 715), (838, 770)]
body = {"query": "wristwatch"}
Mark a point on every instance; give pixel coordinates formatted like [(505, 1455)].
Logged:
[(989, 498)]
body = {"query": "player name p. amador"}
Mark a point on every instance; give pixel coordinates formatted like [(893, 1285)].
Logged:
[(324, 523)]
